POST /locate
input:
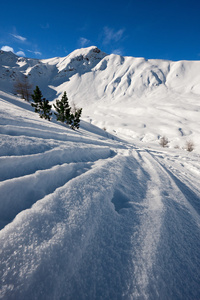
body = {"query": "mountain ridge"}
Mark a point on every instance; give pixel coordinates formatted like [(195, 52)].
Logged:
[(144, 73), (113, 87)]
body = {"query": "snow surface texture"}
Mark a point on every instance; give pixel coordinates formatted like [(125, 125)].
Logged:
[(85, 215), (126, 95)]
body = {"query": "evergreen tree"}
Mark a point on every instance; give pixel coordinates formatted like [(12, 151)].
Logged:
[(44, 109), (37, 98), (75, 118), (62, 109)]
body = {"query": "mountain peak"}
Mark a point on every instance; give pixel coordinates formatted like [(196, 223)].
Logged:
[(89, 52), (81, 60)]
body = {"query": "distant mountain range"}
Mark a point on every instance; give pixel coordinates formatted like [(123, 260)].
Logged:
[(139, 98)]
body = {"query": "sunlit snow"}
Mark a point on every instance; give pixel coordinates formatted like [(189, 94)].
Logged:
[(101, 214)]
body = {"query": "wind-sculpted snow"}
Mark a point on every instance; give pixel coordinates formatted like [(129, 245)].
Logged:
[(80, 243), (85, 215), (15, 166)]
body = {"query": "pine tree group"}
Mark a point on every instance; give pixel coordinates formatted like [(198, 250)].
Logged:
[(64, 113)]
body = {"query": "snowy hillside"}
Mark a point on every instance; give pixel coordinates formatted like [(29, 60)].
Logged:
[(128, 96), (94, 214), (84, 216)]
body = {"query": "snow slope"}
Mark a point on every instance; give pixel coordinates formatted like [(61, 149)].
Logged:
[(85, 215), (126, 95)]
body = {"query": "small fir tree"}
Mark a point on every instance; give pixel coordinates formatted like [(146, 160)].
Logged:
[(37, 98), (75, 117), (44, 109), (62, 109)]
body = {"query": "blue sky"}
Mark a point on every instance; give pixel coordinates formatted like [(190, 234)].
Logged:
[(151, 29)]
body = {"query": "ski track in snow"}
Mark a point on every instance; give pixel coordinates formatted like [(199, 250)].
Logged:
[(85, 217)]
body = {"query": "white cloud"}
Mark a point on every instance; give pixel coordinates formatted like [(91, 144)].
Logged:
[(38, 53), (83, 41), (20, 53), (10, 49), (19, 37), (110, 35), (35, 52), (7, 49)]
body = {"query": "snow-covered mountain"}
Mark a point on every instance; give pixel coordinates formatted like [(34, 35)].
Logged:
[(85, 214), (132, 97)]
